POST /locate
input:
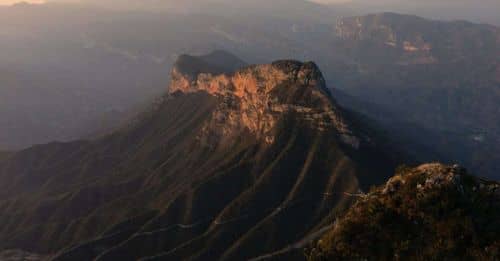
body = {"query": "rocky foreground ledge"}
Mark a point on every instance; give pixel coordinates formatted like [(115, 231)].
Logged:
[(433, 212)]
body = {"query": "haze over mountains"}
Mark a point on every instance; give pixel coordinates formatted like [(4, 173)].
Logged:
[(232, 130), (102, 66), (485, 12)]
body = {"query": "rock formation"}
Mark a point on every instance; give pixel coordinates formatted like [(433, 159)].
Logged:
[(256, 97)]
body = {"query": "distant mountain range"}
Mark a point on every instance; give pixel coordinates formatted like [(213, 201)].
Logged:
[(442, 77), (469, 10)]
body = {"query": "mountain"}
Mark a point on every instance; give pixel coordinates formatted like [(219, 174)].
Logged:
[(63, 79), (485, 13), (59, 85), (439, 76), (432, 212), (226, 166), (380, 43), (437, 79), (216, 62)]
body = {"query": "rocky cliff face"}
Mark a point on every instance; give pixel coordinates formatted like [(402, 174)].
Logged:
[(257, 97), (410, 40)]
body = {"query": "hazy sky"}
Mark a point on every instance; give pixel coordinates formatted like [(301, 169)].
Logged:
[(486, 11), (6, 2), (402, 1), (9, 2)]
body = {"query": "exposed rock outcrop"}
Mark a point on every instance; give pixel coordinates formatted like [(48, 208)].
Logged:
[(255, 98)]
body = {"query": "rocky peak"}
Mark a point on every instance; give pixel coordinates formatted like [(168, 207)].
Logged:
[(254, 98), (216, 62), (191, 73), (435, 176)]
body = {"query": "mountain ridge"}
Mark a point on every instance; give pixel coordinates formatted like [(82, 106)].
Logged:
[(159, 186)]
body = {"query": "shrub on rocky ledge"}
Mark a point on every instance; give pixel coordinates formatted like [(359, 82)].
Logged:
[(432, 212)]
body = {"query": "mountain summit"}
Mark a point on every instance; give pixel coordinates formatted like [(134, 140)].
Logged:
[(256, 97), (231, 164)]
